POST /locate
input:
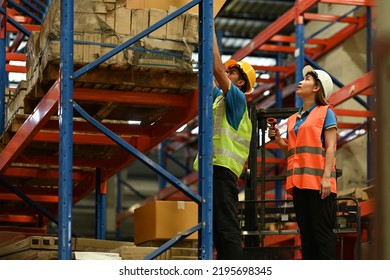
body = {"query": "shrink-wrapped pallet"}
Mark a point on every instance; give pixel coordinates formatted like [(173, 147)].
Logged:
[(100, 26)]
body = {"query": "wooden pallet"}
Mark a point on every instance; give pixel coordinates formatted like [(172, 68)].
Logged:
[(139, 80)]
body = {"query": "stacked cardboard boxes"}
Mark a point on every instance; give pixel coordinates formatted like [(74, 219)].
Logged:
[(40, 247), (99, 26)]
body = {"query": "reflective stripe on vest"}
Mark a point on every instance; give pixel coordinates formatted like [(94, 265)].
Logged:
[(230, 147), (306, 155)]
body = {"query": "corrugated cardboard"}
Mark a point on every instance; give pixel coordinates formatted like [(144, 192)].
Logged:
[(122, 21), (191, 28), (139, 21), (155, 15), (175, 27), (162, 220)]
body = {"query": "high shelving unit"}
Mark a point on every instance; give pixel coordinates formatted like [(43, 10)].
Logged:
[(54, 158), (47, 151)]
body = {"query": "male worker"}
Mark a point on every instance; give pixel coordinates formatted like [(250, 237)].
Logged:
[(232, 130)]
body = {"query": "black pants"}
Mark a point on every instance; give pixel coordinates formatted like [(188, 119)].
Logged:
[(226, 228), (316, 219)]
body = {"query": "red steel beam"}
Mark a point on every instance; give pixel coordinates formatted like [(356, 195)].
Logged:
[(48, 160), (118, 128), (273, 68), (273, 29), (155, 99), (34, 197), (351, 2), (342, 125), (292, 39), (27, 230), (284, 49), (356, 87), (42, 113), (353, 113), (15, 69), (261, 80), (19, 219), (29, 27), (80, 138), (40, 173), (330, 18), (15, 56)]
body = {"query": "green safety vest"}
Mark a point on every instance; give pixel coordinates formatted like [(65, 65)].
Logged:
[(230, 146)]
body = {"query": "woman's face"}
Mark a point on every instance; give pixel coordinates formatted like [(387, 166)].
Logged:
[(307, 87)]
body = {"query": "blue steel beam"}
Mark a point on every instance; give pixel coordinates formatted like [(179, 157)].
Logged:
[(65, 194), (370, 101), (118, 208), (34, 8), (40, 4), (299, 56), (278, 104), (134, 39), (17, 25), (100, 208), (23, 10), (205, 138), (141, 157), (172, 241), (163, 163)]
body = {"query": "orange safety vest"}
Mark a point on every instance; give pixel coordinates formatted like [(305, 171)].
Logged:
[(306, 155)]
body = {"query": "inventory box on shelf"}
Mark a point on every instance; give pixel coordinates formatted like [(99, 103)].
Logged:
[(162, 220)]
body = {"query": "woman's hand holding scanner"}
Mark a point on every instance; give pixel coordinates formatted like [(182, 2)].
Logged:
[(274, 135), (271, 122), (272, 130)]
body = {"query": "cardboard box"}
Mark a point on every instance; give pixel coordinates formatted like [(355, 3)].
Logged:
[(162, 220), (155, 15), (139, 21), (122, 21), (167, 4)]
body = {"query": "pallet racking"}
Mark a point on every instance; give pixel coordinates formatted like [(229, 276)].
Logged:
[(42, 130)]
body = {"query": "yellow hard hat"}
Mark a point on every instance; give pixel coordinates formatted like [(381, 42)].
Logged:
[(248, 70)]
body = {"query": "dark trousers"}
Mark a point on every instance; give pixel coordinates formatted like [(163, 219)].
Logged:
[(316, 219), (226, 228)]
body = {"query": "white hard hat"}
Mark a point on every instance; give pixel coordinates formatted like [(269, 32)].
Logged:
[(323, 77)]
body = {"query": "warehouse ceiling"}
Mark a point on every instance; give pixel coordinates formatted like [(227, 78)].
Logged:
[(241, 20)]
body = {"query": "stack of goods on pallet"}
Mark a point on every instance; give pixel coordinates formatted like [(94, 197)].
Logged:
[(14, 109), (99, 26), (43, 247)]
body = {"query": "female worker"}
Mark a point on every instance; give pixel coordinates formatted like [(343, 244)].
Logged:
[(311, 173)]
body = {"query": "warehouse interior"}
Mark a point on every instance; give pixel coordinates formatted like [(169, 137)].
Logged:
[(100, 124)]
